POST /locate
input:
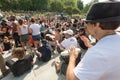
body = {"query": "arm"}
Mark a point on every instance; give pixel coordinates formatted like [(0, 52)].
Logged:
[(60, 45), (30, 30), (19, 30), (72, 62)]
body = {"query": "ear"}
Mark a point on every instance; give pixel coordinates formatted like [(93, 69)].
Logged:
[(97, 24)]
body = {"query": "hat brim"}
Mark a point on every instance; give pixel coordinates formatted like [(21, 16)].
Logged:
[(65, 32), (110, 19)]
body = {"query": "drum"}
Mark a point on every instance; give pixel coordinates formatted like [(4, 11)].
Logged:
[(64, 56)]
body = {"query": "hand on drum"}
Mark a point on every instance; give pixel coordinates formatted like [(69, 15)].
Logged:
[(73, 52)]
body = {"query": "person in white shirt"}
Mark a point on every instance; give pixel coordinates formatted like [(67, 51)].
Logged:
[(23, 31), (35, 30), (102, 61), (69, 40)]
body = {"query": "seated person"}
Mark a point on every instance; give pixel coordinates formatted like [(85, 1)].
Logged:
[(83, 41), (3, 69), (7, 44), (68, 41), (61, 66), (23, 64), (45, 51), (51, 41)]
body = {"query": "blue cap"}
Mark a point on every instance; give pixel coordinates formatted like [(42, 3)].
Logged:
[(44, 41)]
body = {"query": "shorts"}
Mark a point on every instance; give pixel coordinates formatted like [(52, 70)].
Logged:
[(36, 37), (24, 38)]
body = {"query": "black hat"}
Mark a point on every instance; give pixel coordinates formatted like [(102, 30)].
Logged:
[(82, 29), (104, 12)]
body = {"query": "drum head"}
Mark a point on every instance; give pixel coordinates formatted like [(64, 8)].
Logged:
[(65, 52)]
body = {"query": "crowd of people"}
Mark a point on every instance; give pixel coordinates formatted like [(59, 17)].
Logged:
[(82, 60), (40, 37)]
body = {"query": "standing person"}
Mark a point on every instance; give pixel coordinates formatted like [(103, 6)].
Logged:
[(24, 34), (15, 34), (35, 30), (102, 61)]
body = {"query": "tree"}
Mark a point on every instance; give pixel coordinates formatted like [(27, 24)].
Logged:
[(80, 4), (86, 8), (52, 5), (68, 10), (56, 6), (76, 11), (71, 3)]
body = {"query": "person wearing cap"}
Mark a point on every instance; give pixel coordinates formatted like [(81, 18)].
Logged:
[(45, 51), (68, 41), (61, 65), (102, 61)]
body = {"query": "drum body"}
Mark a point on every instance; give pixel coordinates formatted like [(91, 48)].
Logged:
[(64, 56)]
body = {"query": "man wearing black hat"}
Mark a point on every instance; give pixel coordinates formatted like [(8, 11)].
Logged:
[(102, 61)]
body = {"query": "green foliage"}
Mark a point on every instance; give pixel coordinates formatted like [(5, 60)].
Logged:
[(39, 4), (68, 10), (86, 8), (56, 6), (69, 6), (71, 3), (80, 4), (23, 5), (75, 11)]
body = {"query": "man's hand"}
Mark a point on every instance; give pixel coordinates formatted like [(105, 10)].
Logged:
[(73, 53)]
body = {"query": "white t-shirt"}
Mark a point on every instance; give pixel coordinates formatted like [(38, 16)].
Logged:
[(102, 61), (35, 29), (24, 30), (68, 42)]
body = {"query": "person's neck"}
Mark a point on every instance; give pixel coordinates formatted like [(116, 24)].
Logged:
[(20, 58), (105, 33)]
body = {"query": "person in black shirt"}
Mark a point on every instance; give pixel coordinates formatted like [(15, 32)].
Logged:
[(7, 44), (83, 40), (23, 64), (45, 51)]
